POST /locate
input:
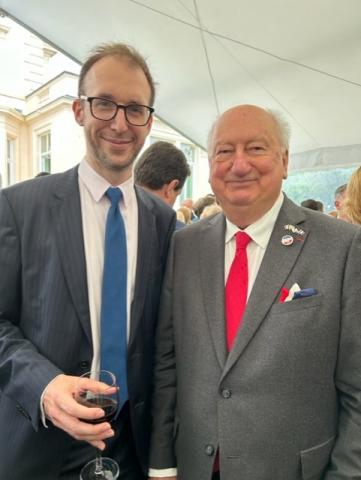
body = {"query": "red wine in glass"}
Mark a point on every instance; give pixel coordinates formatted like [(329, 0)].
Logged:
[(100, 468), (108, 404)]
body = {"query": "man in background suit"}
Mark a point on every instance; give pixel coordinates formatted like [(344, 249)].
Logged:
[(163, 169), (280, 400), (51, 263)]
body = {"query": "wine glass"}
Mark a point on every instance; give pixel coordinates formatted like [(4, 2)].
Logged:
[(101, 468)]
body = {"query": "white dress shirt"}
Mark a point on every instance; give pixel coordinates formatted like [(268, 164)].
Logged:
[(260, 233), (94, 210)]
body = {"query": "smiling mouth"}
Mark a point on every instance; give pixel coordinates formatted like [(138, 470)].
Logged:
[(117, 141), (242, 181)]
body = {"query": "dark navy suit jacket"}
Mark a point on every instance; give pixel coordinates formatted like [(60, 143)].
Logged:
[(44, 315)]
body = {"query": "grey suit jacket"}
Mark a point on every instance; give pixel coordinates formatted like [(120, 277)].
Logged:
[(44, 315), (285, 403)]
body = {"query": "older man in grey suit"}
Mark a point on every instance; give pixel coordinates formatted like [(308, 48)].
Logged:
[(281, 399), (52, 232)]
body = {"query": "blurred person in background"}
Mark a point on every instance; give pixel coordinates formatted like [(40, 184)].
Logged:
[(352, 203), (312, 204), (185, 213), (340, 197), (203, 202), (162, 169), (188, 202), (211, 210)]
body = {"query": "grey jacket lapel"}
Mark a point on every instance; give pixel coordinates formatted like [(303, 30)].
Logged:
[(67, 221), (276, 266), (211, 254)]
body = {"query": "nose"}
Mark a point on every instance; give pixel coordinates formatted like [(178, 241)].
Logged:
[(119, 122), (241, 164)]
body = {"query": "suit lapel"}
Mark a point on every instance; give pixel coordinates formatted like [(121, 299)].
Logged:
[(146, 236), (277, 263), (211, 254), (67, 221)]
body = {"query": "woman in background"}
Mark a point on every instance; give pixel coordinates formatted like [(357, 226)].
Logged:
[(353, 198)]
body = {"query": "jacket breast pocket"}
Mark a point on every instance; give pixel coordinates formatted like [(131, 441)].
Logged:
[(298, 304), (314, 460)]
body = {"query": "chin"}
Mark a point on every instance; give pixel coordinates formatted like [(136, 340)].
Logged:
[(241, 200), (117, 162)]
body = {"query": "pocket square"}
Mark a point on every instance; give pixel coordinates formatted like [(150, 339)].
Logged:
[(296, 292), (306, 292), (295, 288)]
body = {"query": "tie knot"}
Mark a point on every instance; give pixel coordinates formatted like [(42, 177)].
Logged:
[(242, 240), (114, 194)]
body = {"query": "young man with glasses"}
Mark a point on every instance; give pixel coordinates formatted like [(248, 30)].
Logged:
[(53, 237)]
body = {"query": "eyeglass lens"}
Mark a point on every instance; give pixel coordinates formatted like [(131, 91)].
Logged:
[(106, 110)]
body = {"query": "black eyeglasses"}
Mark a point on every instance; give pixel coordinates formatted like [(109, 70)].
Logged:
[(104, 109)]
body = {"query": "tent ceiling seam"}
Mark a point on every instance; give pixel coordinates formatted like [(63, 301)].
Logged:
[(247, 45), (207, 58)]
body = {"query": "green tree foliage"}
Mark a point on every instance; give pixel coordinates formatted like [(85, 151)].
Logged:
[(317, 184)]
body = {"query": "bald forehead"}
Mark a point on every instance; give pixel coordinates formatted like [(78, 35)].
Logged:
[(247, 113), (250, 116)]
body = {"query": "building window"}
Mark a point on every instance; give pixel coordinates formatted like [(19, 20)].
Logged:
[(10, 160), (44, 145), (189, 152)]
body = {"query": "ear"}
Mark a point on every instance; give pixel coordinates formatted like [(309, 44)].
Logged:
[(78, 111), (285, 164), (169, 188)]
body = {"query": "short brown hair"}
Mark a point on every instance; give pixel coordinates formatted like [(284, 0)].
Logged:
[(120, 50)]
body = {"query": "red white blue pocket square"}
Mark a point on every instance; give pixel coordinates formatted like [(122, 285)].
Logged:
[(296, 292)]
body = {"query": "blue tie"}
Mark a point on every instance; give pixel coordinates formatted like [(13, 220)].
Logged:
[(114, 297)]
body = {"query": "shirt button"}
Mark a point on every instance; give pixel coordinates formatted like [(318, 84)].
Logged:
[(226, 393), (209, 450)]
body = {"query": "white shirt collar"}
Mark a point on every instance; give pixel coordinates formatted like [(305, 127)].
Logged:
[(98, 185), (261, 230)]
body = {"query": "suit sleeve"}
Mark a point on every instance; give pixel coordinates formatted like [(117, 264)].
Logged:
[(24, 372), (162, 454), (345, 461)]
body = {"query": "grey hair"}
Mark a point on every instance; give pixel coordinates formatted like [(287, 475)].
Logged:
[(283, 126)]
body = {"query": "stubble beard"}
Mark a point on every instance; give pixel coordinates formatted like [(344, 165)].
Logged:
[(105, 161)]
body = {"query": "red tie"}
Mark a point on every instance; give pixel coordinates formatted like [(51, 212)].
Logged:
[(236, 288)]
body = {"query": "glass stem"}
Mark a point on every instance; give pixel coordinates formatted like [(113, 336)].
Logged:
[(98, 463)]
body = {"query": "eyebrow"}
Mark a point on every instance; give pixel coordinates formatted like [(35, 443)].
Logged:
[(259, 138), (111, 97)]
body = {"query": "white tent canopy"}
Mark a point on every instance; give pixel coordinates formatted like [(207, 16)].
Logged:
[(301, 58)]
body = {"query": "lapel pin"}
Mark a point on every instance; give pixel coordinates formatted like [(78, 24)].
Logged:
[(294, 229), (287, 240)]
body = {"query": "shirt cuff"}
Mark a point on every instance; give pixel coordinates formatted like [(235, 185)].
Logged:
[(42, 411), (164, 472)]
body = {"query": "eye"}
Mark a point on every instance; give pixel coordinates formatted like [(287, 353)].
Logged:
[(224, 151), (135, 109), (256, 148), (103, 103)]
